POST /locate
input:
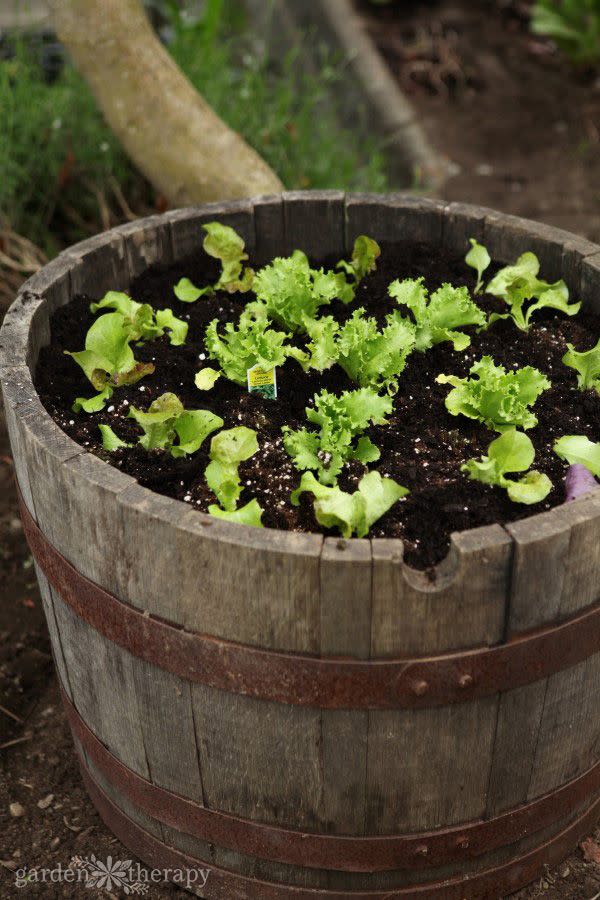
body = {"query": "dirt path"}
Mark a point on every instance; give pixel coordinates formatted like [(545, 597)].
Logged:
[(520, 126)]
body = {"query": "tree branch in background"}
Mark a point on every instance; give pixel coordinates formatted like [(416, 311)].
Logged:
[(167, 128)]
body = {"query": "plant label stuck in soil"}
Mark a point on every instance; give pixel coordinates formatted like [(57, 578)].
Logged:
[(263, 382)]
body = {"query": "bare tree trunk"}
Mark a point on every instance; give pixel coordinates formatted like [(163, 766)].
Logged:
[(167, 128)]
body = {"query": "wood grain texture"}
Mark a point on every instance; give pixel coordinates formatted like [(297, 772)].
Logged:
[(17, 393), (269, 227), (98, 265), (346, 583), (54, 631), (103, 692), (429, 767), (186, 231), (590, 281), (314, 223), (462, 606), (506, 237), (394, 217), (338, 772), (259, 759), (146, 242), (422, 768), (556, 573), (461, 222)]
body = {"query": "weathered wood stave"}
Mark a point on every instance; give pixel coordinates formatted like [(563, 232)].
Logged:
[(338, 772)]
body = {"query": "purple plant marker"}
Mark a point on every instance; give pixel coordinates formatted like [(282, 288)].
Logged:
[(579, 481)]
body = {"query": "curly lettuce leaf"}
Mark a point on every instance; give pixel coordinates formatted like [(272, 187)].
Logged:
[(321, 349), (512, 452), (374, 357), (227, 450), (479, 259), (437, 317), (341, 419), (578, 449), (498, 398), (351, 513), (293, 292), (250, 514), (249, 344), (587, 366)]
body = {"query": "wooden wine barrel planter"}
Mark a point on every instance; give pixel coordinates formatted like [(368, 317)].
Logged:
[(308, 716)]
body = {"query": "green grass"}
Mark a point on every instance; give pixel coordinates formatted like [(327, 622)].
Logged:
[(59, 161)]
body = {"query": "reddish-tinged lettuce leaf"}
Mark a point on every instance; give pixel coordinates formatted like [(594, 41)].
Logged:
[(108, 360)]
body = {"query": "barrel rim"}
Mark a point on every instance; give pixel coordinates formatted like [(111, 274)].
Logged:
[(18, 356)]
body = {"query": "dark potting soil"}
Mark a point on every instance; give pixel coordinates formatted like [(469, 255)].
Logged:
[(422, 446)]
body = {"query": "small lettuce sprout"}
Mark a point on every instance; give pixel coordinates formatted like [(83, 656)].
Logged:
[(479, 259), (341, 420), (205, 379), (512, 452), (111, 441), (365, 254), (107, 360), (293, 292), (519, 283), (498, 398), (437, 317), (351, 513), (577, 448), (187, 292), (250, 514), (227, 450), (143, 323), (587, 366), (166, 421), (226, 245), (251, 343)]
